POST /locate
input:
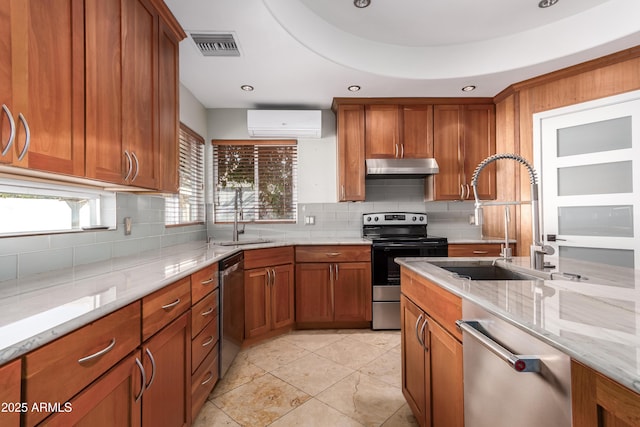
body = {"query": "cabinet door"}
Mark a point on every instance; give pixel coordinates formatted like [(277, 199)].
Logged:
[(480, 143), (257, 299), (48, 84), (447, 137), (103, 57), (447, 394), (167, 360), (382, 131), (109, 401), (352, 291), (10, 393), (140, 84), (6, 83), (415, 366), (314, 293), (351, 164), (417, 131), (282, 296)]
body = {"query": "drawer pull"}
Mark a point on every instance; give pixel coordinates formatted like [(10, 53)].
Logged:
[(208, 312), (171, 305), (208, 379), (480, 252), (334, 254), (208, 342), (143, 377), (208, 282), (102, 352), (153, 368)]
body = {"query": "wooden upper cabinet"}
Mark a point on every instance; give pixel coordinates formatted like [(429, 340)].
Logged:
[(464, 135), (382, 131), (417, 131), (6, 84), (350, 144), (47, 84)]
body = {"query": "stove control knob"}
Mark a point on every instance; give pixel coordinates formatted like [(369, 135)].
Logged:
[(413, 219), (368, 219), (376, 218), (421, 218)]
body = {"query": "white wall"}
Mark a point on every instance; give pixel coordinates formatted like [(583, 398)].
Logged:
[(316, 157), (192, 112)]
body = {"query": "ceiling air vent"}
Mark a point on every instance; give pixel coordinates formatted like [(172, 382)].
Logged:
[(216, 44)]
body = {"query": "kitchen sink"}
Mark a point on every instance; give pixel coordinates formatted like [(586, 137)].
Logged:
[(483, 271), (242, 242)]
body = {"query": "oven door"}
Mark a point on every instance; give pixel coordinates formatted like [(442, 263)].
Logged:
[(384, 269)]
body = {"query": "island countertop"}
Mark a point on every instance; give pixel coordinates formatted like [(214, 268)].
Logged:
[(594, 320)]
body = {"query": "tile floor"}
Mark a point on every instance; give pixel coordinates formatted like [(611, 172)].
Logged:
[(313, 378)]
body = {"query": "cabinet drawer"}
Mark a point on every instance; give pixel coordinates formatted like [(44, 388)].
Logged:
[(202, 344), (476, 250), (258, 258), (203, 282), (204, 312), (59, 370), (335, 253), (203, 381), (443, 306), (165, 305)]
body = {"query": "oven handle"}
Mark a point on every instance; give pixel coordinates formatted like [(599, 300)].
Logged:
[(389, 246)]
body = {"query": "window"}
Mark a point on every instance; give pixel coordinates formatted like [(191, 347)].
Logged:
[(187, 207), (35, 208), (259, 177)]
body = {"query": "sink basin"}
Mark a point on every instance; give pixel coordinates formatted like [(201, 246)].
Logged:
[(242, 242), (486, 272)]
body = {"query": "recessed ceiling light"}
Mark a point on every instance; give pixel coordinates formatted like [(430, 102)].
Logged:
[(354, 88), (546, 3), (468, 88), (246, 88), (364, 3)]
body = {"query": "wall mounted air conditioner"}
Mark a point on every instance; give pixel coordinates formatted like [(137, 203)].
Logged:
[(284, 123)]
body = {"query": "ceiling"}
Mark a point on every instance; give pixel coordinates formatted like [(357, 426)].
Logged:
[(303, 53)]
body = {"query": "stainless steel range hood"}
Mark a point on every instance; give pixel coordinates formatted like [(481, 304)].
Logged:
[(401, 168)]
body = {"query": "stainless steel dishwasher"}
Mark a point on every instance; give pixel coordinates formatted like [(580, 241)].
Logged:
[(232, 313), (510, 377)]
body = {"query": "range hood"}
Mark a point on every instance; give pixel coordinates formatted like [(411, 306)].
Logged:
[(401, 168)]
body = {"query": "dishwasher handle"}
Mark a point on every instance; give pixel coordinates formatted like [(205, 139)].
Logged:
[(519, 363)]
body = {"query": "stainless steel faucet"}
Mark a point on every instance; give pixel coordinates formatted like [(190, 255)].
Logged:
[(237, 212), (538, 248)]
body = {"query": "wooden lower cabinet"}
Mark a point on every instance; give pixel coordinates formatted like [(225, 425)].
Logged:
[(432, 380), (598, 401), (269, 299), (10, 393)]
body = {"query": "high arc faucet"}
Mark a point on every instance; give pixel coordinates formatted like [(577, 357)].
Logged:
[(538, 248)]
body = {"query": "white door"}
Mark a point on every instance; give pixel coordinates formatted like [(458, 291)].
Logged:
[(588, 156)]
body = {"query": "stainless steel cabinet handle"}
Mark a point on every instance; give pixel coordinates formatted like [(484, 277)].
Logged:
[(208, 379), (461, 191), (102, 352), (422, 328), (208, 342), (12, 126), (143, 379), (342, 192), (171, 305), (333, 254), (130, 163), (416, 330), (208, 281), (153, 367), (468, 191), (268, 277), (336, 272), (402, 151), (396, 152), (135, 175), (480, 252), (27, 137), (519, 363), (331, 273), (208, 312)]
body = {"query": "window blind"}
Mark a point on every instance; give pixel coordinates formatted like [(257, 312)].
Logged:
[(187, 207), (259, 177)]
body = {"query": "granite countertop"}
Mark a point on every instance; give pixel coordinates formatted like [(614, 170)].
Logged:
[(38, 309), (594, 320)]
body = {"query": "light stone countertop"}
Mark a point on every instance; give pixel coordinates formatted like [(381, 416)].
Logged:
[(38, 309), (595, 321)]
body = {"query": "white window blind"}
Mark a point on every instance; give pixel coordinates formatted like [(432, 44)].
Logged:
[(187, 207), (261, 174)]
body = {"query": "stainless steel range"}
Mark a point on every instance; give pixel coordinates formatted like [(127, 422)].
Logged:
[(394, 235)]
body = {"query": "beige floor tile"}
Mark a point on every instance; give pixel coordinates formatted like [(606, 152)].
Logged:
[(260, 402), (350, 352), (241, 372), (314, 413), (402, 418), (273, 354), (387, 368), (312, 373), (212, 416), (363, 398), (313, 340), (383, 339)]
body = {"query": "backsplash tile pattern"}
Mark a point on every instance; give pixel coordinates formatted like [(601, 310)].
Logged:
[(29, 255)]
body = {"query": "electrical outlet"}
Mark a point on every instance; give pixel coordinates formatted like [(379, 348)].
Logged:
[(309, 220), (472, 219), (127, 226)]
